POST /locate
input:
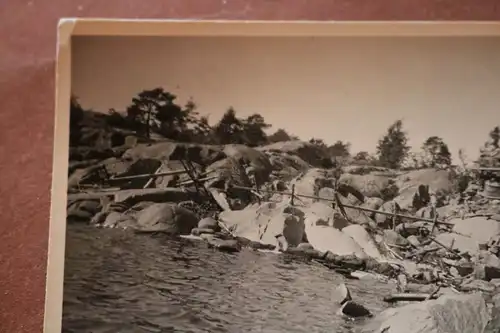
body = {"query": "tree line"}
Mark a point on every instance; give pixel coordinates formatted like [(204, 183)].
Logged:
[(157, 111)]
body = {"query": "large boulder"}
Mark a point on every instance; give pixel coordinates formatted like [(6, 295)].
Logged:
[(173, 180), (439, 181), (119, 220), (81, 176), (463, 243), (413, 198), (250, 157), (287, 165), (487, 266), (449, 313), (266, 222), (372, 203), (391, 237), (308, 152), (166, 217), (479, 228), (415, 187), (327, 193), (355, 215), (364, 240), (139, 167), (389, 207), (414, 228), (326, 238), (320, 213)]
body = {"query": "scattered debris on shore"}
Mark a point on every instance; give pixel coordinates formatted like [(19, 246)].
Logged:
[(414, 227)]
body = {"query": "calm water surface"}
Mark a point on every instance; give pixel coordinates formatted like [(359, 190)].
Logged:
[(117, 281)]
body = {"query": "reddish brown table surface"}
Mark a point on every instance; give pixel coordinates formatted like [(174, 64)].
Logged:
[(28, 47)]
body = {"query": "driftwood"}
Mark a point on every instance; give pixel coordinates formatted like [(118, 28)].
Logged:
[(149, 175), (150, 181), (409, 297)]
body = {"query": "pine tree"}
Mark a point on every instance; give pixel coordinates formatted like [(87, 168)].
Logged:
[(392, 149), (436, 152)]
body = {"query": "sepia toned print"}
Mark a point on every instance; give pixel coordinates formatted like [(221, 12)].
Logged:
[(272, 184)]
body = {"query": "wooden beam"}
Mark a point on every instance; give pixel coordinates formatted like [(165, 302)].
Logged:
[(154, 175)]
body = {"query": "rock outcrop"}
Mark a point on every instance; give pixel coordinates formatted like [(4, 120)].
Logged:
[(308, 152), (449, 313), (370, 185)]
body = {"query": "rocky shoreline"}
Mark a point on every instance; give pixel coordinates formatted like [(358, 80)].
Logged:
[(417, 227)]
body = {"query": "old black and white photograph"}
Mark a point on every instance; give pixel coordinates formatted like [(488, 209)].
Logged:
[(283, 184)]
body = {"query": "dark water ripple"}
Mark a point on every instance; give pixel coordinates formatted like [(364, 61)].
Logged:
[(116, 281)]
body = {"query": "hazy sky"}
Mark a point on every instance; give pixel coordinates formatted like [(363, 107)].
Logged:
[(336, 88)]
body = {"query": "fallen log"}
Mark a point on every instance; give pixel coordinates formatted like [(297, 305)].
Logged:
[(408, 297)]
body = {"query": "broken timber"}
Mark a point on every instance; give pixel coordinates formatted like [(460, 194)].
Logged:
[(154, 175), (493, 169)]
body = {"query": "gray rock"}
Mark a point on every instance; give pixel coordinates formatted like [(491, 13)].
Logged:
[(115, 219), (488, 267), (199, 231), (495, 282), (230, 245), (166, 217), (478, 285), (464, 267), (412, 228), (83, 210), (263, 223), (459, 242), (454, 272), (207, 237), (478, 228), (279, 185), (426, 212), (413, 240), (342, 294), (392, 237), (451, 313), (305, 246), (354, 310), (99, 218), (372, 203), (208, 223)]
